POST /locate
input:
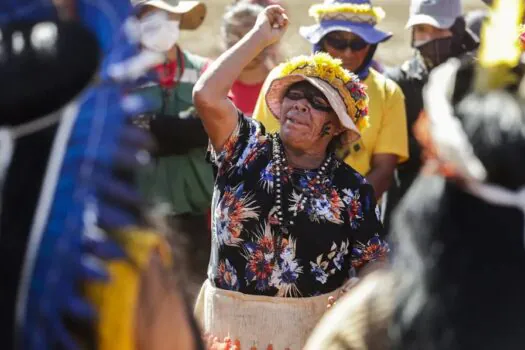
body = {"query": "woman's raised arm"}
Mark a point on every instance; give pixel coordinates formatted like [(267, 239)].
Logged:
[(210, 93)]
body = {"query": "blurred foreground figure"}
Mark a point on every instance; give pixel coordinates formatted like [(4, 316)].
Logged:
[(80, 266), (450, 288)]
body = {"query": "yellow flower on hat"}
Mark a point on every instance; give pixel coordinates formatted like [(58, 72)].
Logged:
[(361, 104), (363, 12), (320, 65), (363, 123)]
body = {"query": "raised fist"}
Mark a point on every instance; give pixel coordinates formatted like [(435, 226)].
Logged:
[(271, 24)]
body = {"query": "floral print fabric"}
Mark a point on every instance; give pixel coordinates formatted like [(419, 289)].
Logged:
[(335, 233)]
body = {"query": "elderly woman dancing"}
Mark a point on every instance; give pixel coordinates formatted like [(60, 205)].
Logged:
[(291, 222)]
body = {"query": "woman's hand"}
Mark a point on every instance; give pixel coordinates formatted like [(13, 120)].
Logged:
[(351, 283), (271, 24), (213, 343), (210, 93)]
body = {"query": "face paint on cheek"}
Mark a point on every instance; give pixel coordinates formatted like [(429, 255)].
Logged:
[(325, 131)]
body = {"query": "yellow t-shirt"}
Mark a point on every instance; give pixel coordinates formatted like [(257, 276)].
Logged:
[(388, 126)]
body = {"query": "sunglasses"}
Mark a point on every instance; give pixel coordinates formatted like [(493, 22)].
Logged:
[(342, 44), (306, 91)]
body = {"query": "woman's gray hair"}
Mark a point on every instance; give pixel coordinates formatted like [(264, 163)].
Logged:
[(242, 13)]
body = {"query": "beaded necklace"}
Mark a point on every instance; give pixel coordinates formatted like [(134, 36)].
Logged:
[(282, 170)]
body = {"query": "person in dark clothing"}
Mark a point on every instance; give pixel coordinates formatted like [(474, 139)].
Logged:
[(438, 33)]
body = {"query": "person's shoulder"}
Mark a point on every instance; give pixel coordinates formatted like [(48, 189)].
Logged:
[(194, 65), (195, 61), (375, 77), (255, 126), (409, 70), (397, 73), (386, 86)]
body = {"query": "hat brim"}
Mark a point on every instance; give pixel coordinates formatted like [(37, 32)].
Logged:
[(192, 12), (435, 21), (366, 31), (278, 87)]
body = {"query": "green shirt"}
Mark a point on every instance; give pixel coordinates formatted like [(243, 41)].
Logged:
[(183, 181)]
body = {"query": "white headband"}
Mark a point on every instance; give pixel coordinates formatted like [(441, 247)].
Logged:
[(448, 136)]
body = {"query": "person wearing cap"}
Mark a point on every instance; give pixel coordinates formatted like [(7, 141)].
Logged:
[(438, 33), (180, 175), (292, 223), (346, 29)]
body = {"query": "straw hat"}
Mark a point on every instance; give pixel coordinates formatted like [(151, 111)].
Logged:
[(343, 89), (192, 12)]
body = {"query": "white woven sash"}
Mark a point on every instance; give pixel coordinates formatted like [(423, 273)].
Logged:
[(259, 321)]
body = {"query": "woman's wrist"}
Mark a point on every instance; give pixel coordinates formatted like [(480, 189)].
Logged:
[(260, 40)]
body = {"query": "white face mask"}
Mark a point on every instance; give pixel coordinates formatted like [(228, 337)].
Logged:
[(157, 32)]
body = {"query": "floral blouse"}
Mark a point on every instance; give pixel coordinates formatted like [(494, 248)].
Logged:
[(337, 232)]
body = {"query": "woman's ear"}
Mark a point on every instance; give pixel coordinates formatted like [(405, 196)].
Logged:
[(339, 129)]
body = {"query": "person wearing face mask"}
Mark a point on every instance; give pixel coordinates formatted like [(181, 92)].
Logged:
[(439, 32), (180, 175), (346, 29)]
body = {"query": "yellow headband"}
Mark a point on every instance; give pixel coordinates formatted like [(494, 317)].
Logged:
[(360, 13)]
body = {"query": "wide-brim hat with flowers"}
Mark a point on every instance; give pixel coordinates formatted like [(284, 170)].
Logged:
[(344, 91), (355, 16)]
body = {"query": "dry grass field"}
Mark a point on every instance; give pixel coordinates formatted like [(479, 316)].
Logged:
[(205, 40)]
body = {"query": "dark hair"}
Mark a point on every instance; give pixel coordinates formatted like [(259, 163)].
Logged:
[(458, 257)]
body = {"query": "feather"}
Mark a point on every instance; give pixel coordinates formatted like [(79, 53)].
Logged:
[(500, 48)]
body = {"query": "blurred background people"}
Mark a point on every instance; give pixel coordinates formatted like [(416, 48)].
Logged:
[(237, 21), (438, 32), (346, 29), (179, 175)]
